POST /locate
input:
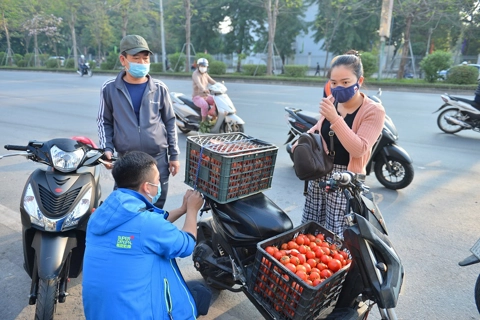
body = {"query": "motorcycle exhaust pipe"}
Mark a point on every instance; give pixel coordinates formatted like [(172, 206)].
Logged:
[(458, 122), (180, 124)]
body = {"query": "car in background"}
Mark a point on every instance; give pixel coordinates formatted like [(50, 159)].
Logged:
[(61, 59), (442, 74)]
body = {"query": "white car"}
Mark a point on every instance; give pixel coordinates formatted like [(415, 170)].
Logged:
[(61, 59), (443, 73)]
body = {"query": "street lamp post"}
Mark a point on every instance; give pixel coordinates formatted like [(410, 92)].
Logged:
[(163, 36)]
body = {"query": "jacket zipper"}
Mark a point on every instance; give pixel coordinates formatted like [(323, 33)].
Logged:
[(168, 298)]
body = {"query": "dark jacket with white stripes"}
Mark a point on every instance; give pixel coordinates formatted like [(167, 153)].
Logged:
[(118, 128)]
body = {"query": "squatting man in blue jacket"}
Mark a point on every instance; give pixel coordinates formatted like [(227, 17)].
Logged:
[(136, 113), (130, 271)]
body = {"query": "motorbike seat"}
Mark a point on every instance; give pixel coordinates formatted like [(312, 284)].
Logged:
[(310, 117), (190, 103), (470, 102), (253, 218)]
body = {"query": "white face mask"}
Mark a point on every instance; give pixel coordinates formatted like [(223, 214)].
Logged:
[(202, 69)]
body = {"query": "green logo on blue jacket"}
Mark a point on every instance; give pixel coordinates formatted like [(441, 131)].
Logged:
[(124, 242)]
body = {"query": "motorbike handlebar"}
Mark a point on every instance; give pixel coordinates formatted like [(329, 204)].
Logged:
[(14, 147)]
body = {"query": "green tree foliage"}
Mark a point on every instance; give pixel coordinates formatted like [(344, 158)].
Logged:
[(217, 68), (462, 75), (370, 64), (346, 24), (431, 64)]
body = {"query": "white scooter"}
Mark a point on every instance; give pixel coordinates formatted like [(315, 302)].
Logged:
[(458, 114), (189, 116)]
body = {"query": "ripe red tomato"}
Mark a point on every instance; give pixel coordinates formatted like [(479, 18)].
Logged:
[(292, 245), (321, 266), (344, 254), (314, 275), (295, 260), (312, 263), (326, 273), (290, 266), (285, 259), (284, 246), (301, 274), (306, 240), (313, 245), (299, 240), (301, 267), (310, 255), (316, 282), (311, 237), (302, 249), (325, 259), (334, 265), (279, 254), (308, 268), (320, 236), (302, 258), (271, 250), (338, 256)]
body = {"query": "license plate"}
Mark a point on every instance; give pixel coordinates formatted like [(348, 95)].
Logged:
[(476, 249)]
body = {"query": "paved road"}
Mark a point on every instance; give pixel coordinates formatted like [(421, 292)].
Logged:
[(433, 222)]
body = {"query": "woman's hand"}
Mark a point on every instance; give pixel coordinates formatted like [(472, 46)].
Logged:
[(328, 110)]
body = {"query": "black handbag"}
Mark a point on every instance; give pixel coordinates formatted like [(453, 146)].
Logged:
[(310, 161)]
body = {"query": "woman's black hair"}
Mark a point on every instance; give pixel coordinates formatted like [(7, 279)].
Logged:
[(133, 169), (350, 61)]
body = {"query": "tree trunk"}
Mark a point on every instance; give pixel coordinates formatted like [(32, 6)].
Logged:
[(187, 34), (124, 24), (71, 24), (8, 58), (272, 14), (406, 48)]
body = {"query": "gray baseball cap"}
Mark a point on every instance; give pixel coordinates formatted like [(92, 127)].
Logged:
[(133, 44)]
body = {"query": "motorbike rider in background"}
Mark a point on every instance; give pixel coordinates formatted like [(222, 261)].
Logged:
[(81, 63), (201, 96)]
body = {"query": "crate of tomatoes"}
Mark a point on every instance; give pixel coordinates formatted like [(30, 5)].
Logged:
[(299, 274), (229, 166)]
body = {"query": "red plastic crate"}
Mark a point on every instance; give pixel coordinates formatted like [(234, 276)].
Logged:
[(230, 166), (283, 293)]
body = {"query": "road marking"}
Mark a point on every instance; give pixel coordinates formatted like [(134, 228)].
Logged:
[(10, 218)]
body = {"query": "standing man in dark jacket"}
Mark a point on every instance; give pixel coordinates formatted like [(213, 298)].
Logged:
[(136, 113)]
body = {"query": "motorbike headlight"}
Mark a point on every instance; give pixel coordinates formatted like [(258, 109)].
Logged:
[(80, 209), (31, 207), (66, 161)]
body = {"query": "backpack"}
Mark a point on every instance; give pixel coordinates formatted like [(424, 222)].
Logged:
[(310, 161)]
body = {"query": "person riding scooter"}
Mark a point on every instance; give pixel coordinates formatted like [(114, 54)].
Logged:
[(201, 96), (81, 64)]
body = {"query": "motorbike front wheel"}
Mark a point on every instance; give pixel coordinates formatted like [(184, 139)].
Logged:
[(185, 131), (89, 72), (232, 128), (46, 299), (397, 175), (445, 125)]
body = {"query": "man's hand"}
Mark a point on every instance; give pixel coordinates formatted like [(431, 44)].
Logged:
[(174, 167), (194, 201), (109, 164)]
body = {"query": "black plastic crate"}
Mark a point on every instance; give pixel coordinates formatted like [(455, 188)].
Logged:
[(282, 292), (230, 166)]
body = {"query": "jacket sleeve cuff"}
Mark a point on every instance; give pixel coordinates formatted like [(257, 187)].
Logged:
[(173, 157)]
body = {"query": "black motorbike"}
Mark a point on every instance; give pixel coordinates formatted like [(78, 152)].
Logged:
[(55, 207), (85, 71), (471, 260), (391, 163), (229, 242)]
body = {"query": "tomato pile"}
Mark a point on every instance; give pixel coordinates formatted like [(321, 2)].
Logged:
[(308, 256), (245, 175)]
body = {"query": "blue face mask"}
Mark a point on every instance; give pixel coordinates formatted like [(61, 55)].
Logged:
[(138, 70), (342, 94), (159, 191)]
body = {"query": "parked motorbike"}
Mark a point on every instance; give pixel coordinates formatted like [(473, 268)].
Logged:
[(458, 114), (55, 207), (189, 115), (391, 163), (87, 71), (474, 259), (228, 240)]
